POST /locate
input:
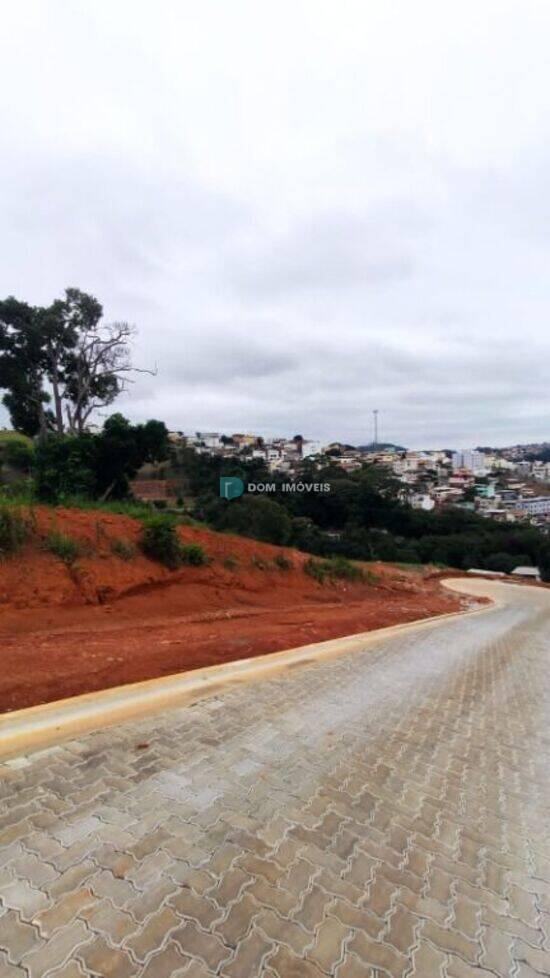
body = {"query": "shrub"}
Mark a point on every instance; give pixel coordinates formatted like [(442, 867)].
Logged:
[(63, 546), (316, 569), (230, 562), (20, 492), (124, 507), (193, 554), (66, 466), (14, 530), (283, 562), (345, 569), (336, 567), (122, 548), (159, 541), (19, 454), (501, 562), (257, 517)]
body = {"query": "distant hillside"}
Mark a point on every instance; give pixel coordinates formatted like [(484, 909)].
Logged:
[(381, 446), (531, 451)]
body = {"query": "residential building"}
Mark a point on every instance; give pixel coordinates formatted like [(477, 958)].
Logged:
[(210, 439), (534, 506), (528, 573), (469, 460), (310, 448)]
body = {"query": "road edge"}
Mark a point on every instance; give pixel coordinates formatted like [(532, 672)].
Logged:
[(38, 727)]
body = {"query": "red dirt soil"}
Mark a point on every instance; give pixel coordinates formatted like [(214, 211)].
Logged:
[(108, 621)]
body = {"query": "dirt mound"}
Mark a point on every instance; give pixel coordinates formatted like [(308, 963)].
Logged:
[(37, 578), (105, 620)]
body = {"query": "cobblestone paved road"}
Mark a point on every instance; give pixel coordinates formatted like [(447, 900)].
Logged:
[(381, 814)]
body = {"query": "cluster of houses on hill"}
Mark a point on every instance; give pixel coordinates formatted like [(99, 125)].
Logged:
[(279, 454), (500, 484), (486, 482)]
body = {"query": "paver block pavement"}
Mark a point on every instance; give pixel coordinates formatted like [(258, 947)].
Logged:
[(384, 814)]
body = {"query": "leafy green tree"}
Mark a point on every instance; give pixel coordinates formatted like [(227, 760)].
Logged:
[(18, 454), (97, 466), (22, 367), (123, 448), (471, 560), (119, 457), (502, 562), (251, 516), (66, 466), (544, 561), (522, 560), (152, 440), (60, 363), (362, 516)]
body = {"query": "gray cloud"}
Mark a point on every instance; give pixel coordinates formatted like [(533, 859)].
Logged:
[(326, 252), (308, 214), (227, 360)]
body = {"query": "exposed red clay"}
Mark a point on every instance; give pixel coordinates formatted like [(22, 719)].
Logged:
[(106, 621)]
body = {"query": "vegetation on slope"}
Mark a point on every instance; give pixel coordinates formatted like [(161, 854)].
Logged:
[(361, 518)]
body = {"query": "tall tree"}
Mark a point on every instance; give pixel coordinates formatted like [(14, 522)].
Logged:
[(98, 366), (62, 355), (98, 466), (22, 367)]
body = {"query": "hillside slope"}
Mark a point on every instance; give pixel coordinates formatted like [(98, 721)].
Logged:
[(106, 621)]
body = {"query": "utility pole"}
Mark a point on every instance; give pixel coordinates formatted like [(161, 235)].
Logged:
[(375, 415)]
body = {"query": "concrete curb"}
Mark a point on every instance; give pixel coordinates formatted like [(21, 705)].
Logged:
[(41, 726)]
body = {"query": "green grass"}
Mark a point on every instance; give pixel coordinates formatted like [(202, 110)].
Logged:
[(15, 436), (159, 541), (121, 507), (22, 494), (124, 549), (64, 546), (14, 530), (192, 554), (337, 568), (283, 562), (19, 493), (414, 566)]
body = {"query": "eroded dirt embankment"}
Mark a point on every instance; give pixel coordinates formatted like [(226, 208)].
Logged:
[(108, 621)]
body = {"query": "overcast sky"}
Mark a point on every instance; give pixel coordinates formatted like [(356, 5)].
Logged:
[(308, 209)]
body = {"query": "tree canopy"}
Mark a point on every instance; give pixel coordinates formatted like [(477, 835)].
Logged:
[(61, 362), (363, 517), (97, 466)]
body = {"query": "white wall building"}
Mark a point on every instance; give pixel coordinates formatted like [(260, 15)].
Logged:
[(310, 448), (470, 460), (211, 439), (535, 505)]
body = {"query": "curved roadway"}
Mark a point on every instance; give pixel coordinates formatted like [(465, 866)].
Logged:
[(382, 813)]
